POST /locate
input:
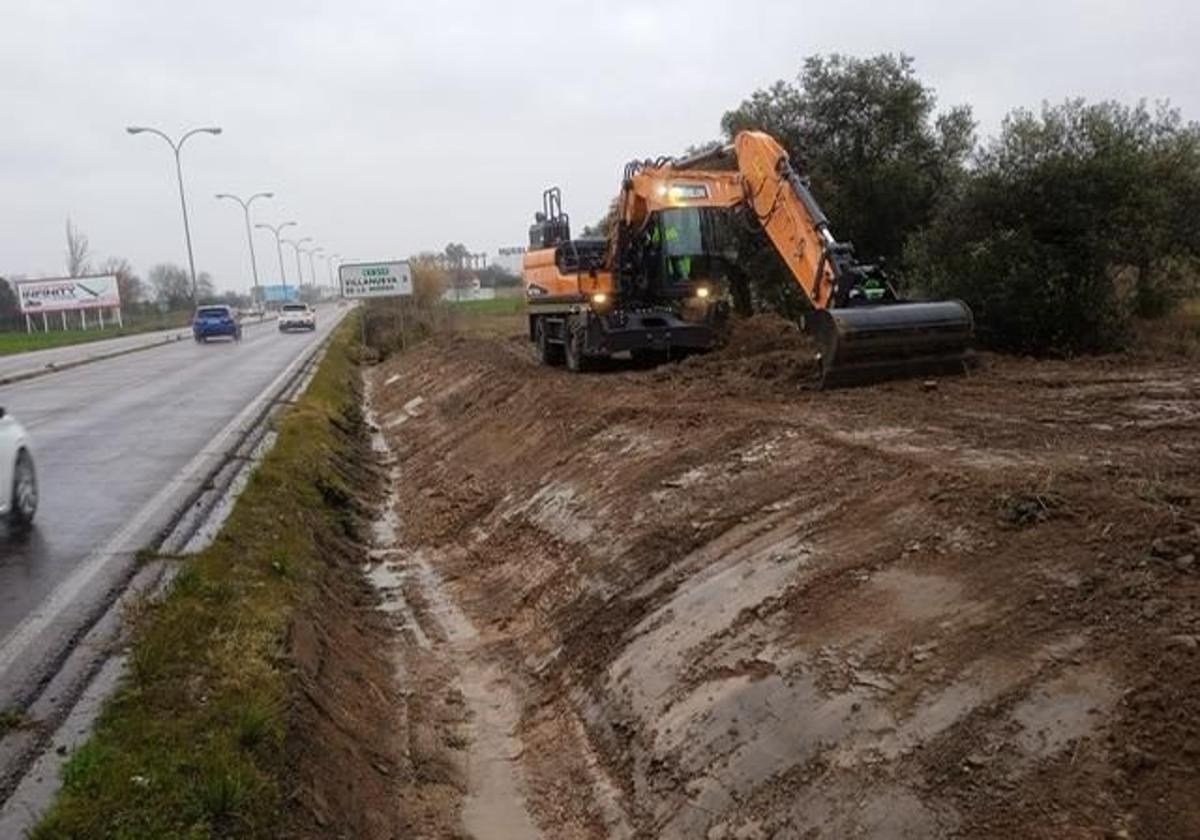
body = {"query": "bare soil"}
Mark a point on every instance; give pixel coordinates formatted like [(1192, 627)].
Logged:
[(705, 600)]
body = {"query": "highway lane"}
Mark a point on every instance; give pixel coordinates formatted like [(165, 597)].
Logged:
[(109, 437)]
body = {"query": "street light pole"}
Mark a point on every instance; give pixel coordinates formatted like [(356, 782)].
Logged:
[(176, 147), (249, 237), (279, 250), (296, 243), (312, 267)]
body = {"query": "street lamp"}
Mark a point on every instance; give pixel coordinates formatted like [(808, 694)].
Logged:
[(279, 250), (249, 237), (176, 147), (296, 243)]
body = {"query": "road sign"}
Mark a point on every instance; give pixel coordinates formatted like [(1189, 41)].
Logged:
[(371, 280), (276, 294), (68, 294)]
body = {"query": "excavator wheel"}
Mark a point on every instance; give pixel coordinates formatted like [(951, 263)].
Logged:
[(548, 352), (573, 338)]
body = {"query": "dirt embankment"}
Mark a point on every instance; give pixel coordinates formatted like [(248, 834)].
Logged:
[(702, 601)]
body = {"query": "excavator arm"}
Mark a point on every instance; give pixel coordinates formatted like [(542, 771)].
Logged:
[(863, 329)]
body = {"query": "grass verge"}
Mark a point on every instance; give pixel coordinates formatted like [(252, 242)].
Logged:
[(505, 305), (21, 342), (193, 742)]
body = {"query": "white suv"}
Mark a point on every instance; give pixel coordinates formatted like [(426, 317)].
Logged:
[(18, 478), (297, 316)]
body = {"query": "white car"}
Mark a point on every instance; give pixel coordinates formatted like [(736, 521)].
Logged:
[(297, 316), (18, 478)]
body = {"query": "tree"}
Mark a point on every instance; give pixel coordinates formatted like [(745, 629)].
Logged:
[(77, 252), (457, 255), (128, 284), (172, 286), (10, 310), (429, 279), (866, 132), (206, 289), (1074, 221)]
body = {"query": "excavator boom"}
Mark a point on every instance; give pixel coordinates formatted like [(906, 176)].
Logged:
[(863, 330)]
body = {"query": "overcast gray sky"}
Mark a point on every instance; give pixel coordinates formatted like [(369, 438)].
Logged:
[(385, 128)]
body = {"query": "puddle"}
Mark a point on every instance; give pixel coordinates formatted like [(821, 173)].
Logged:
[(388, 580), (385, 530)]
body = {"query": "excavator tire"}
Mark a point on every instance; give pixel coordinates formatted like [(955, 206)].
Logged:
[(549, 353), (863, 344), (573, 339)]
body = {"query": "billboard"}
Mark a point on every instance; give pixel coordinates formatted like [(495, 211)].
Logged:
[(370, 280), (278, 294), (68, 294)]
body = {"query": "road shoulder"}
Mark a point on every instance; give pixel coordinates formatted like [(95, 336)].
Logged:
[(263, 649)]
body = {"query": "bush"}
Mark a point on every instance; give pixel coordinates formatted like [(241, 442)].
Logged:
[(1073, 223)]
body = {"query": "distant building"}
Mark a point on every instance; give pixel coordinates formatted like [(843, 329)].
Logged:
[(510, 259)]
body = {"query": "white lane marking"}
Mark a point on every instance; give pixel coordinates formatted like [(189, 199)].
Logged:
[(24, 634)]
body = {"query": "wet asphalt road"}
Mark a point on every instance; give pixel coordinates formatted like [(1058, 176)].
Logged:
[(110, 439)]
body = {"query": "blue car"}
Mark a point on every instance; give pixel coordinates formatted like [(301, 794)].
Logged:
[(212, 321)]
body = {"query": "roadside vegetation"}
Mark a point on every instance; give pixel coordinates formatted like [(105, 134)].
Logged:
[(1069, 232), (195, 743)]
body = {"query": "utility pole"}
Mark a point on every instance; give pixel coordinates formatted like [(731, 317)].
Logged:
[(176, 147)]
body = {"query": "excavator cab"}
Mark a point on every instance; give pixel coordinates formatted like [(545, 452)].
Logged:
[(682, 249)]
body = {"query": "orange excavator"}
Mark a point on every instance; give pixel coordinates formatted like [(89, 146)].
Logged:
[(659, 283)]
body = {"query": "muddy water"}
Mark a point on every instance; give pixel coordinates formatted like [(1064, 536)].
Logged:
[(494, 807)]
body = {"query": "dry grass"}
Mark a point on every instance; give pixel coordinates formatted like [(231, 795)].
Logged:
[(1175, 334)]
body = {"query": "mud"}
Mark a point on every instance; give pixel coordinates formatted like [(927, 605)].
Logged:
[(706, 600)]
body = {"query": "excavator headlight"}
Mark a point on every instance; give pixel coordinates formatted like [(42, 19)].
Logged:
[(599, 298), (702, 292)]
